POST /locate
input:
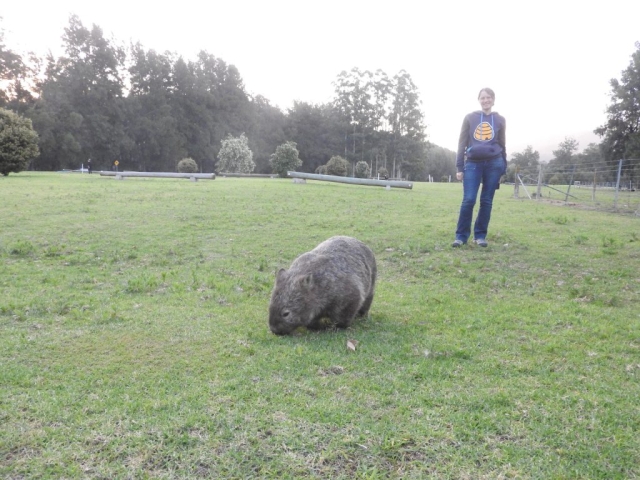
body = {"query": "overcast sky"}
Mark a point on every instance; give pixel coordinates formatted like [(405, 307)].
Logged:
[(549, 63)]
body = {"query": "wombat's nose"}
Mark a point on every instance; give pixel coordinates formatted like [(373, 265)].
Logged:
[(277, 331)]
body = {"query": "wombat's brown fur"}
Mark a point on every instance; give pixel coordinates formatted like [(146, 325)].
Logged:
[(335, 280)]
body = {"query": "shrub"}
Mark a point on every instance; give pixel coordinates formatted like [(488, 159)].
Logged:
[(321, 170), (362, 169), (235, 156), (285, 159), (187, 165), (383, 172), (18, 142), (558, 179), (337, 166)]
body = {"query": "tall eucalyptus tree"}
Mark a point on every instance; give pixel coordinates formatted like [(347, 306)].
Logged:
[(621, 132), (80, 113)]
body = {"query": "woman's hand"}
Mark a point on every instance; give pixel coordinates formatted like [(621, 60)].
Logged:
[(460, 175)]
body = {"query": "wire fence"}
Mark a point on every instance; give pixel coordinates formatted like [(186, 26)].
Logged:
[(595, 185)]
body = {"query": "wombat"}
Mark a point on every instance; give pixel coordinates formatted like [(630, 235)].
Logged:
[(335, 280)]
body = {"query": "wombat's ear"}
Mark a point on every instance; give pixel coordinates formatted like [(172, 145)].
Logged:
[(280, 275)]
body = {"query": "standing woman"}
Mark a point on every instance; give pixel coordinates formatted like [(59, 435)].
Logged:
[(482, 143)]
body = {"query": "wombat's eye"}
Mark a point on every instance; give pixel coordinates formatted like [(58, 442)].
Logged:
[(285, 314)]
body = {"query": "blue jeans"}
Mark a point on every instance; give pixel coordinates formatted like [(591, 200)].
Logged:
[(487, 172)]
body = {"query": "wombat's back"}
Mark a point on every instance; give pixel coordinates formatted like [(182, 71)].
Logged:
[(343, 251)]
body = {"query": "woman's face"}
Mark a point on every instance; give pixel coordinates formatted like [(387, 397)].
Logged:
[(486, 101)]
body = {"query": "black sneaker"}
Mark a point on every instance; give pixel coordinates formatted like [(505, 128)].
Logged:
[(457, 243), (481, 242)]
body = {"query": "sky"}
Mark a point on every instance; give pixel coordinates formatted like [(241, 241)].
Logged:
[(550, 63)]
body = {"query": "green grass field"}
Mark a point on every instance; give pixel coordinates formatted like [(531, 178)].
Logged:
[(134, 340), (625, 201)]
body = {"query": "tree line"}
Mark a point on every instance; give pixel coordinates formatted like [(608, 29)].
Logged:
[(618, 153), (148, 110), (569, 165)]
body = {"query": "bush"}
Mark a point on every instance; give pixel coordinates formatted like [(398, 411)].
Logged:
[(337, 166), (362, 169), (18, 142), (187, 165), (558, 179), (383, 172), (285, 159), (235, 156), (321, 170)]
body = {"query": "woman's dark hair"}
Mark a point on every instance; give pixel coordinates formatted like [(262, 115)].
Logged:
[(491, 93)]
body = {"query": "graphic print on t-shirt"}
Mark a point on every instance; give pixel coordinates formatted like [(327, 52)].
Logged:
[(483, 132)]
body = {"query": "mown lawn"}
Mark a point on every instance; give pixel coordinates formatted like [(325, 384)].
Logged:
[(134, 340)]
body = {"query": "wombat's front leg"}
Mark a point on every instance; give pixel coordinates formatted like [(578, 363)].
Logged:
[(319, 324), (345, 315)]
